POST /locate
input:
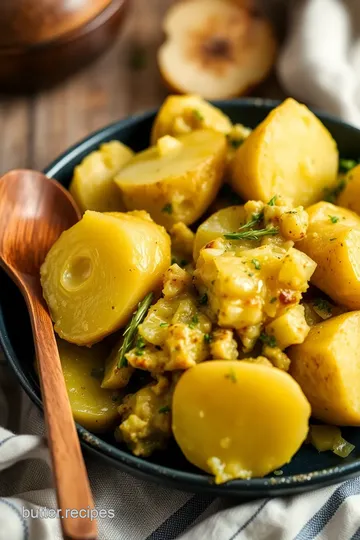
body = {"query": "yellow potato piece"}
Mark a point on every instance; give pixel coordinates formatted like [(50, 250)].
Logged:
[(93, 185), (327, 367), (290, 153), (181, 114), (333, 242), (177, 185), (115, 377), (350, 196), (94, 408), (226, 220), (238, 419), (96, 273)]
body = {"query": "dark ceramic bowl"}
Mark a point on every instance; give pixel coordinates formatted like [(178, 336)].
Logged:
[(307, 470)]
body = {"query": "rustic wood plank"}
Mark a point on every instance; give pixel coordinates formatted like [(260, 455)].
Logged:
[(107, 91), (15, 133)]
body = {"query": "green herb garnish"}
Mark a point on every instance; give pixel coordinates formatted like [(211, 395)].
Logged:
[(203, 300), (273, 299), (140, 346), (268, 340), (197, 114), (323, 305), (334, 219), (255, 219), (137, 60), (163, 324), (234, 143), (208, 338), (331, 194), (231, 375), (168, 209), (272, 201), (346, 165), (164, 410), (252, 235), (256, 263), (194, 321), (131, 329)]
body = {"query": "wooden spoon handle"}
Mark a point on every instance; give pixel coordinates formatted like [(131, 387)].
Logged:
[(71, 479)]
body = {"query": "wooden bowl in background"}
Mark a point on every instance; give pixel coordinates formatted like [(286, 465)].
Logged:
[(43, 42)]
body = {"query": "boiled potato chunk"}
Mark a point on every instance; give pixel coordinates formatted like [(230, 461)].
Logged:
[(94, 408), (182, 114), (175, 182), (327, 367), (290, 153), (116, 377), (226, 220), (350, 196), (333, 242), (99, 270), (238, 419), (93, 185)]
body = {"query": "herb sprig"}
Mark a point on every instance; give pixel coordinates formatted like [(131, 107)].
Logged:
[(130, 331), (252, 235)]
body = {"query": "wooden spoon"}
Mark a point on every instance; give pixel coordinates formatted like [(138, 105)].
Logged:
[(34, 211)]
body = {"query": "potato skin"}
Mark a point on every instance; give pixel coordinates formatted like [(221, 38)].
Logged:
[(179, 186), (350, 196), (249, 417), (333, 242), (92, 185), (327, 367), (290, 153), (182, 114), (93, 407)]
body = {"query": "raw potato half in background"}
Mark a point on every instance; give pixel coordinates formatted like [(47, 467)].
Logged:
[(215, 48)]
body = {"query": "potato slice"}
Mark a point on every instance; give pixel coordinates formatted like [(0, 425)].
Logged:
[(215, 48), (93, 408), (96, 273), (182, 114), (93, 185), (327, 367), (176, 184), (290, 153), (115, 377), (350, 196), (238, 419), (226, 220), (333, 242)]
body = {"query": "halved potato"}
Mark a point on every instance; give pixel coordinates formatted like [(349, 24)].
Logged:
[(226, 220), (290, 153), (177, 179), (327, 367), (350, 196), (333, 242), (97, 271), (182, 114), (93, 407), (93, 185), (238, 419)]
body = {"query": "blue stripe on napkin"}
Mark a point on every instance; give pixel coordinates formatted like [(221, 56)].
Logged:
[(322, 517), (249, 520), (178, 522), (19, 515)]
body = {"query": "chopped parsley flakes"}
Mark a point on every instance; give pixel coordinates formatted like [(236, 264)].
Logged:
[(194, 321), (167, 209), (256, 263), (208, 338), (163, 324), (334, 219), (140, 346), (164, 410), (268, 340), (197, 114), (272, 201), (323, 305), (203, 300)]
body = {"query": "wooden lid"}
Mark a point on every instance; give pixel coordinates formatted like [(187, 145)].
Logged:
[(26, 22)]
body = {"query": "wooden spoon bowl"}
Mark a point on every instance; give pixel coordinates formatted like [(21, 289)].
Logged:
[(45, 41)]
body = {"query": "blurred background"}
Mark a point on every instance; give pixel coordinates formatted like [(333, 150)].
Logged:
[(69, 67)]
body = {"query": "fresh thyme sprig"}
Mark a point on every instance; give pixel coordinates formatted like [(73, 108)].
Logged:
[(256, 218), (252, 235), (131, 329)]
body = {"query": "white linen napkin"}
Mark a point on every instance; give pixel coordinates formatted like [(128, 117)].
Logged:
[(319, 64)]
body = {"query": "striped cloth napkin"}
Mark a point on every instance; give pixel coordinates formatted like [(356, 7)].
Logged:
[(319, 64), (28, 504)]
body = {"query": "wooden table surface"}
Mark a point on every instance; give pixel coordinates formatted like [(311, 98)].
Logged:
[(37, 128)]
